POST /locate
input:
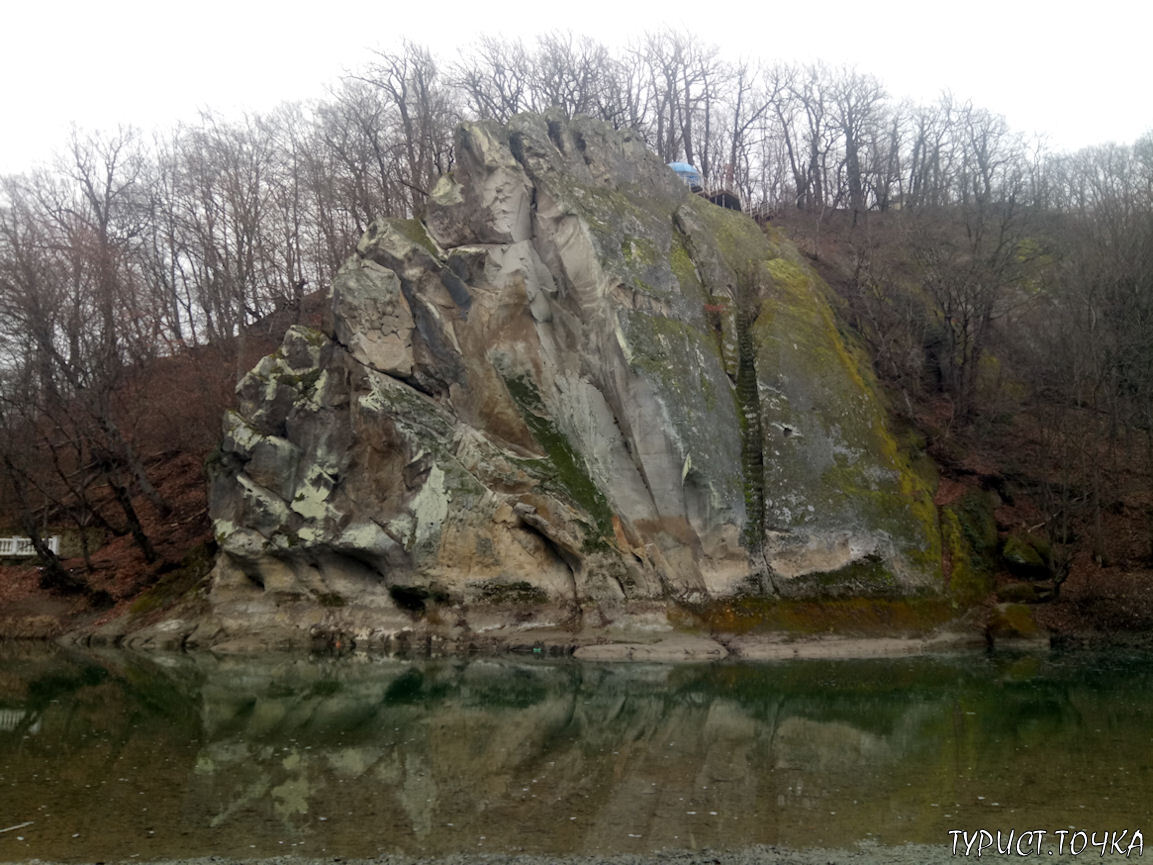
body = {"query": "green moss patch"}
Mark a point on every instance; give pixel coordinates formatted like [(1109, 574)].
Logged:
[(975, 513), (868, 577), (820, 385), (563, 470), (1023, 558), (639, 250), (304, 383), (1013, 621), (414, 230), (969, 581), (683, 268), (843, 616), (178, 583), (738, 238)]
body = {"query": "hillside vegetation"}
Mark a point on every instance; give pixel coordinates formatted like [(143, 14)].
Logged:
[(1005, 294)]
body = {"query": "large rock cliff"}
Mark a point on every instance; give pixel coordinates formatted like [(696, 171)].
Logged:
[(572, 393)]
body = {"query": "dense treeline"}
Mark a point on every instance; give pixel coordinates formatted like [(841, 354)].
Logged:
[(960, 233)]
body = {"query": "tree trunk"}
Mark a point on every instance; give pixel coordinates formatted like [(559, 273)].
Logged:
[(53, 576), (120, 492)]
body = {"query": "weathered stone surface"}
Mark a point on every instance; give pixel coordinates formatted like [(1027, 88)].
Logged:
[(1014, 623), (488, 198), (572, 392), (381, 338), (1022, 557)]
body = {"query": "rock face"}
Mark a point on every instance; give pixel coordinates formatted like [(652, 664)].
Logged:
[(572, 393)]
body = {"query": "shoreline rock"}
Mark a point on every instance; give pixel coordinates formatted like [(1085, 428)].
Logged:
[(864, 854)]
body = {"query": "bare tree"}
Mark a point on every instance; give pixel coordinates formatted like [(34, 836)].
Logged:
[(495, 79), (809, 89), (973, 255), (856, 101), (575, 75), (78, 322), (354, 133), (422, 114)]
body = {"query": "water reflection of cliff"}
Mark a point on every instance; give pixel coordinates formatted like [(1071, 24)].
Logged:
[(543, 757), (355, 756)]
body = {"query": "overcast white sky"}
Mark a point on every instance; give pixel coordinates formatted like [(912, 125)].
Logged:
[(1076, 73)]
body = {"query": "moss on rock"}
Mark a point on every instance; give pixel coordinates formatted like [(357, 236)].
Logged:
[(856, 616), (834, 441), (414, 230), (681, 370), (975, 513), (1013, 621), (969, 581), (514, 593), (1023, 558), (563, 469)]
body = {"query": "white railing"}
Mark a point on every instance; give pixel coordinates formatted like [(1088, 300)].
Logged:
[(10, 719), (21, 546)]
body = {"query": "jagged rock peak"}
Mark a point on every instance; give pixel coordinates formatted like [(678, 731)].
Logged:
[(573, 393)]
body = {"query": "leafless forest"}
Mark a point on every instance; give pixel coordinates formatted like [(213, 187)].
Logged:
[(1005, 291)]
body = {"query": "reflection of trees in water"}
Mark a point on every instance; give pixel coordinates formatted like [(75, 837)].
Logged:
[(500, 749), (116, 739), (361, 755)]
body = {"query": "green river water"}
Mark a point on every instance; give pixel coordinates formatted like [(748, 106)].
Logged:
[(117, 755)]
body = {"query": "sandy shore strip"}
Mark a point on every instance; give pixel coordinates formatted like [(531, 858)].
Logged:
[(907, 854)]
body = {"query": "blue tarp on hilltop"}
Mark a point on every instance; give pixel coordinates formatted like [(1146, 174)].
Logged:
[(687, 173)]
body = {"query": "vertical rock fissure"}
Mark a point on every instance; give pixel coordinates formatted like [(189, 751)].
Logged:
[(748, 395), (752, 440)]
